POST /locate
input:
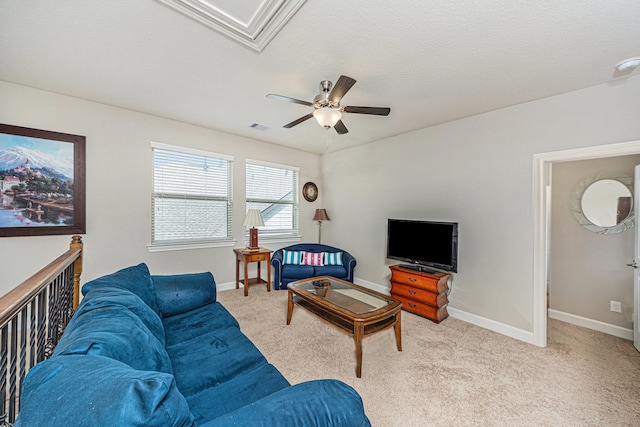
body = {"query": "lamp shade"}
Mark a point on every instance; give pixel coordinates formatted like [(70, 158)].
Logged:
[(253, 218), (327, 117), (321, 215)]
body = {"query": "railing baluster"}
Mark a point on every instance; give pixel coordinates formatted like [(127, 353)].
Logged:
[(4, 334), (22, 354), (13, 343), (32, 333)]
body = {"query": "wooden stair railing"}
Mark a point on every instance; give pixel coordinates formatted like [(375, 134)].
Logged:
[(33, 316)]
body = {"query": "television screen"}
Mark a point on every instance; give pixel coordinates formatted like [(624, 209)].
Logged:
[(424, 243)]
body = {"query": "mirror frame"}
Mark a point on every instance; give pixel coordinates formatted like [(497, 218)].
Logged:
[(576, 205)]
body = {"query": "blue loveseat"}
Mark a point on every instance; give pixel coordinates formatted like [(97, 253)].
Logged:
[(284, 272), (146, 350)]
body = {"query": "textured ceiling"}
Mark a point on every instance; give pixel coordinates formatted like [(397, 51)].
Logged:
[(430, 61)]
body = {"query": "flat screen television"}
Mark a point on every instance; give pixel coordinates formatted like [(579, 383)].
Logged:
[(424, 244)]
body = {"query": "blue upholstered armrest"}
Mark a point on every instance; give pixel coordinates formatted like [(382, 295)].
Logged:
[(312, 403), (276, 265), (180, 293)]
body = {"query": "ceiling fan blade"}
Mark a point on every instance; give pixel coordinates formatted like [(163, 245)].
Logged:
[(288, 99), (378, 111), (340, 127), (298, 121), (341, 87)]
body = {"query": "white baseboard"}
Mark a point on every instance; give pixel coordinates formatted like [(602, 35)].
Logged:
[(474, 319), (373, 286), (226, 286), (370, 285), (492, 325), (596, 325)]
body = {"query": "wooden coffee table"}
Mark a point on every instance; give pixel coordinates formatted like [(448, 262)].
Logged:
[(355, 309)]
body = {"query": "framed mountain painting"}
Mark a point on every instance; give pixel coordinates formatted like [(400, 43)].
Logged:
[(42, 182)]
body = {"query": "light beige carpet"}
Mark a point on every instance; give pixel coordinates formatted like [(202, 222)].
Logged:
[(454, 373)]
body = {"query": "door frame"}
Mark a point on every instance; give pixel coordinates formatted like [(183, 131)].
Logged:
[(542, 169)]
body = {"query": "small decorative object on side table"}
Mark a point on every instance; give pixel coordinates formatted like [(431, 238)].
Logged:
[(252, 255)]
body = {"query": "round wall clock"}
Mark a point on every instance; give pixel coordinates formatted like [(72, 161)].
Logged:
[(310, 192)]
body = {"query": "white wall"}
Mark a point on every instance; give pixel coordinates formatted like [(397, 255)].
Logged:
[(477, 171), (118, 164)]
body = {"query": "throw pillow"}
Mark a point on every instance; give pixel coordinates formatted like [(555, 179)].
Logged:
[(292, 257), (332, 258), (311, 258)]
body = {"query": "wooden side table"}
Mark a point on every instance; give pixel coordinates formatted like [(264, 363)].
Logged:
[(252, 255)]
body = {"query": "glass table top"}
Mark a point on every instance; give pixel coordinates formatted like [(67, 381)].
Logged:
[(343, 294)]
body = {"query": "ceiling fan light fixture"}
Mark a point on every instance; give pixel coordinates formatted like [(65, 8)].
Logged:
[(327, 117)]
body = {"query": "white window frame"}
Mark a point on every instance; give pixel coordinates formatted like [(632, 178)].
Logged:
[(182, 244), (265, 235)]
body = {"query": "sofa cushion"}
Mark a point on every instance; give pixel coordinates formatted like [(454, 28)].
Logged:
[(292, 257), (135, 279), (337, 271), (117, 297), (297, 271), (211, 359), (98, 391), (195, 323), (181, 293), (241, 390), (117, 333), (332, 258), (312, 258), (320, 403)]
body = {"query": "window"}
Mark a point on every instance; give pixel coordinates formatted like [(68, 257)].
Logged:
[(273, 189), (192, 196)]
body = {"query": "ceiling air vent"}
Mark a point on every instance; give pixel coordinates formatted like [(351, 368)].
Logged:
[(258, 126)]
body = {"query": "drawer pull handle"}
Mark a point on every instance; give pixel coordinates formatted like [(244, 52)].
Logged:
[(411, 279), (411, 305), (411, 292)]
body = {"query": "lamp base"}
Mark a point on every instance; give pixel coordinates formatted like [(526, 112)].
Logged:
[(253, 238)]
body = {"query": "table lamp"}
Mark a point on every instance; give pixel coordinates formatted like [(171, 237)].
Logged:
[(253, 220)]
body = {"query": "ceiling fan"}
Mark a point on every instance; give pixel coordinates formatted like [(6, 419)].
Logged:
[(326, 104)]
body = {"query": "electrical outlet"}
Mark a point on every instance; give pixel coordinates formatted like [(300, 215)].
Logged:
[(616, 306)]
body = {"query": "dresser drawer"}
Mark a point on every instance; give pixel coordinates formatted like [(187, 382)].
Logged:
[(257, 257), (419, 295), (436, 314), (437, 283)]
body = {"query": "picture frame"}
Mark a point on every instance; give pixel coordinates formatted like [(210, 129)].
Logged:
[(42, 182)]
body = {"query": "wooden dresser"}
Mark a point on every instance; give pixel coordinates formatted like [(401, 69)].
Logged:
[(421, 293)]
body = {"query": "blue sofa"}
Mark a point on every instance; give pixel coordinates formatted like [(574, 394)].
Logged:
[(285, 273), (146, 350)]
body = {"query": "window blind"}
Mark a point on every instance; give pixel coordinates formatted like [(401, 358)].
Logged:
[(273, 189), (192, 195)]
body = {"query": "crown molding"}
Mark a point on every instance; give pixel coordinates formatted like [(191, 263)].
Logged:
[(259, 24)]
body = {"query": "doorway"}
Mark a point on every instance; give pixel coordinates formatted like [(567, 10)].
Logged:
[(542, 180)]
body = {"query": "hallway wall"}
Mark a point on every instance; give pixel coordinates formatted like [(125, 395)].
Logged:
[(588, 270)]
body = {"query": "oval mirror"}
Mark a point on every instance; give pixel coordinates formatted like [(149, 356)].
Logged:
[(604, 204)]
